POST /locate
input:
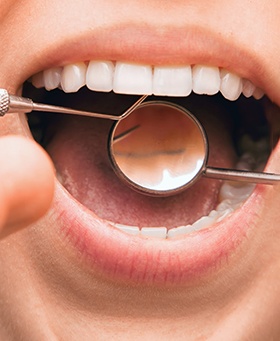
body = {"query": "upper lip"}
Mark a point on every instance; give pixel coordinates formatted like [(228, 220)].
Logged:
[(132, 42), (108, 248)]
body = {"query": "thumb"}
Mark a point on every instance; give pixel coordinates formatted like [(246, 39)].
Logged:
[(26, 183)]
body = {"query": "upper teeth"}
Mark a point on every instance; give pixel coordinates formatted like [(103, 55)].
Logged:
[(128, 78)]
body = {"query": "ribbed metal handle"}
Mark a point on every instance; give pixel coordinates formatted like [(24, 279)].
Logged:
[(4, 102)]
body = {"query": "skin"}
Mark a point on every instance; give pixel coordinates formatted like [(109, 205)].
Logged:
[(47, 292)]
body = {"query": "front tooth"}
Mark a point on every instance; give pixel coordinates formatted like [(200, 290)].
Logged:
[(73, 77), (154, 232), (206, 80), (99, 76), (172, 81), (231, 85), (52, 78), (133, 79)]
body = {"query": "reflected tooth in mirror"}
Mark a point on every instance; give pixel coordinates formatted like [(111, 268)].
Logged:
[(38, 80), (206, 80), (100, 75), (154, 232), (133, 79), (231, 85), (73, 77), (248, 88), (172, 81), (52, 78)]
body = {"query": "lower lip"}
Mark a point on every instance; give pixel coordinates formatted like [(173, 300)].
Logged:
[(122, 257)]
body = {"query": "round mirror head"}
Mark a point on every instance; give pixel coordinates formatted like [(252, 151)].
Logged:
[(159, 149)]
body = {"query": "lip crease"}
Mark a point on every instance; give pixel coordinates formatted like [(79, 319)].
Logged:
[(128, 258)]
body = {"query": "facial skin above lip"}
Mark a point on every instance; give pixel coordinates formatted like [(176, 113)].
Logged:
[(43, 276)]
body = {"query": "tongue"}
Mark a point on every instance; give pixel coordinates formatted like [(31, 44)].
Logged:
[(79, 151)]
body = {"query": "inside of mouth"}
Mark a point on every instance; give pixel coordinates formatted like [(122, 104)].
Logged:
[(238, 134)]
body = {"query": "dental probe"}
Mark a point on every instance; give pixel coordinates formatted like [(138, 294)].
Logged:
[(11, 104)]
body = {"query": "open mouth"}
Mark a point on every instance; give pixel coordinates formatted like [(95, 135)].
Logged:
[(234, 113)]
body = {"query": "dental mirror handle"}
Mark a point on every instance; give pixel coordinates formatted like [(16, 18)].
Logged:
[(11, 104), (241, 175)]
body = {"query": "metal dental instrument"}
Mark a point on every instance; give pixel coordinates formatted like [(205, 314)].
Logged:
[(11, 104), (168, 151), (158, 148)]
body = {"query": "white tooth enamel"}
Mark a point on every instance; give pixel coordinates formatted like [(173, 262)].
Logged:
[(154, 232), (227, 204), (133, 79), (246, 162), (99, 76), (232, 191), (248, 88), (38, 80), (231, 85), (172, 81), (133, 230), (180, 231), (73, 77), (225, 214), (206, 80), (258, 93), (214, 214), (52, 78), (203, 222)]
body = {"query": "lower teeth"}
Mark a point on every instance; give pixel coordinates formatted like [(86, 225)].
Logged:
[(232, 196)]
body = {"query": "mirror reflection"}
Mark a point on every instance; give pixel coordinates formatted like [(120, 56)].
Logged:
[(160, 147)]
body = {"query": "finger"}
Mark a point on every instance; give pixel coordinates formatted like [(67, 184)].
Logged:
[(26, 183)]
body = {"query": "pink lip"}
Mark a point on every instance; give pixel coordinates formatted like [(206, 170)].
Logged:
[(165, 262), (108, 250)]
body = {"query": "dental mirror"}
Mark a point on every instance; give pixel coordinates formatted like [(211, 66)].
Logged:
[(161, 149)]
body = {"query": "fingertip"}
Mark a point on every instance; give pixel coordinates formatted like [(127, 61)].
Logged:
[(27, 182)]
